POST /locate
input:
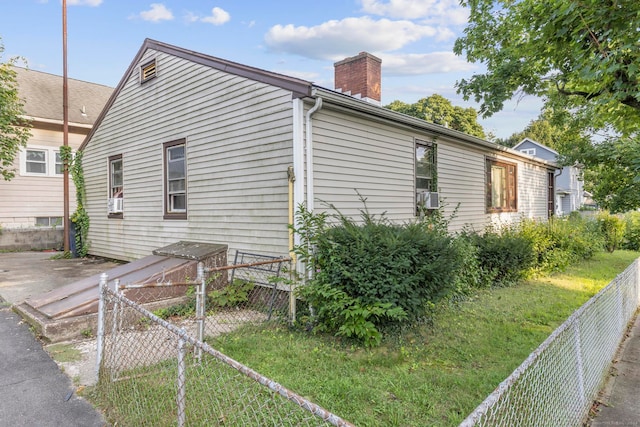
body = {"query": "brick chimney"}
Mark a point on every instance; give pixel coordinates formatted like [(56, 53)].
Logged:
[(359, 76)]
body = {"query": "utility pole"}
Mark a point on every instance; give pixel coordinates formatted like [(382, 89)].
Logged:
[(65, 125)]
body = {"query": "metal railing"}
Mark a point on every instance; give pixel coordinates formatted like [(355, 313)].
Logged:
[(153, 372), (557, 384)]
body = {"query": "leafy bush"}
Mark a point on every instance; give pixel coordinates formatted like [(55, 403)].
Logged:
[(373, 272), (632, 231), (612, 228), (338, 313), (231, 295), (504, 258), (560, 242)]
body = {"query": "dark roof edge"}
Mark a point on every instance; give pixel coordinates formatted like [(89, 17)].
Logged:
[(299, 88), (385, 113)]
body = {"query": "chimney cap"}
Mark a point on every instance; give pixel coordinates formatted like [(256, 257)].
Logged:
[(356, 57)]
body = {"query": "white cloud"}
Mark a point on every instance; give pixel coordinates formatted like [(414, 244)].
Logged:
[(218, 16), (334, 40), (423, 63), (157, 13), (92, 3), (429, 11)]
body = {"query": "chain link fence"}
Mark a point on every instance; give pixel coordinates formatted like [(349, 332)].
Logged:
[(155, 373), (557, 384)]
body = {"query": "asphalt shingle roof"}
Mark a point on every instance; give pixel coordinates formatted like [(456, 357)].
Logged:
[(41, 94)]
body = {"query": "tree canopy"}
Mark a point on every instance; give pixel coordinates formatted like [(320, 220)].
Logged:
[(14, 129), (437, 109), (580, 55)]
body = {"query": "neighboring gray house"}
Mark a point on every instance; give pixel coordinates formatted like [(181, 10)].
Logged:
[(33, 199), (193, 147), (570, 194)]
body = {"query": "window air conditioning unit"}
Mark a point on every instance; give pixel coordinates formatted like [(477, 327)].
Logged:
[(115, 205), (431, 200)]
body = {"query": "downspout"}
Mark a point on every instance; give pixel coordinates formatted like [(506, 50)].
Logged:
[(309, 139), (555, 188)]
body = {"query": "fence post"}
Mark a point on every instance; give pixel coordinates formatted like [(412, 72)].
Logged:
[(579, 363), (100, 338), (180, 398), (201, 296)]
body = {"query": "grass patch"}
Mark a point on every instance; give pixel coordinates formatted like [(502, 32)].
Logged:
[(64, 353), (433, 374)]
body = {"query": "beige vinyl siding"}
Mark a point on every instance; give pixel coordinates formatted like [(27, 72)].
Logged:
[(377, 159), (26, 197), (461, 184), (238, 136)]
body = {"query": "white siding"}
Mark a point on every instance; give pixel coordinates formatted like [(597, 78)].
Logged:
[(238, 138), (26, 197)]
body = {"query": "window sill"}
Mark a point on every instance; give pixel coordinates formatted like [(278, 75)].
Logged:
[(181, 215)]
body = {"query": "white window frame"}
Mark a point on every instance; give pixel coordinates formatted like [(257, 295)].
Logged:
[(529, 151), (50, 161)]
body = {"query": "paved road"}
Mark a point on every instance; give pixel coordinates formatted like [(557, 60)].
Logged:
[(33, 391)]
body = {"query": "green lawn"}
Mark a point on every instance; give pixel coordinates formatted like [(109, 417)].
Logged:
[(435, 374)]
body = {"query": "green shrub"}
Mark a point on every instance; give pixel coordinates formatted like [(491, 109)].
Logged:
[(377, 262), (337, 312), (231, 295), (560, 242), (612, 228), (505, 258), (470, 274), (373, 272), (631, 239)]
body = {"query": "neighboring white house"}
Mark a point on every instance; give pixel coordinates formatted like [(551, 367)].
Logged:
[(34, 197), (570, 194), (193, 147)]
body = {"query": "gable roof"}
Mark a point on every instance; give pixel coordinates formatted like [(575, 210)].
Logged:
[(531, 141), (41, 94), (303, 89)]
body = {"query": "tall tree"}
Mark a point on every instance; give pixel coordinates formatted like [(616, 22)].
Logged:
[(437, 109), (582, 55), (14, 128)]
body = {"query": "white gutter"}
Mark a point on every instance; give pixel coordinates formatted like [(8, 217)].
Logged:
[(309, 139)]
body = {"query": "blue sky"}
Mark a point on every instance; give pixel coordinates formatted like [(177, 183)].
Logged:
[(414, 39)]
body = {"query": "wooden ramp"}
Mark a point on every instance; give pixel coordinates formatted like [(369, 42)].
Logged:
[(81, 297), (174, 263), (70, 310)]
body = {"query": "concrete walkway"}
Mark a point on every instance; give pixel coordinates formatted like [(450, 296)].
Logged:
[(621, 397)]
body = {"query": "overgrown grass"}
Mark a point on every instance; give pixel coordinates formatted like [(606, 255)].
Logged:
[(434, 374)]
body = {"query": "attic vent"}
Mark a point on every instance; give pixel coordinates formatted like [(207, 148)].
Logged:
[(148, 71)]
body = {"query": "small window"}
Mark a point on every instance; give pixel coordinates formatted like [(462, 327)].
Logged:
[(36, 162), (48, 221), (59, 165), (116, 187), (148, 71), (501, 181), (175, 186), (425, 172), (529, 151), (41, 161)]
